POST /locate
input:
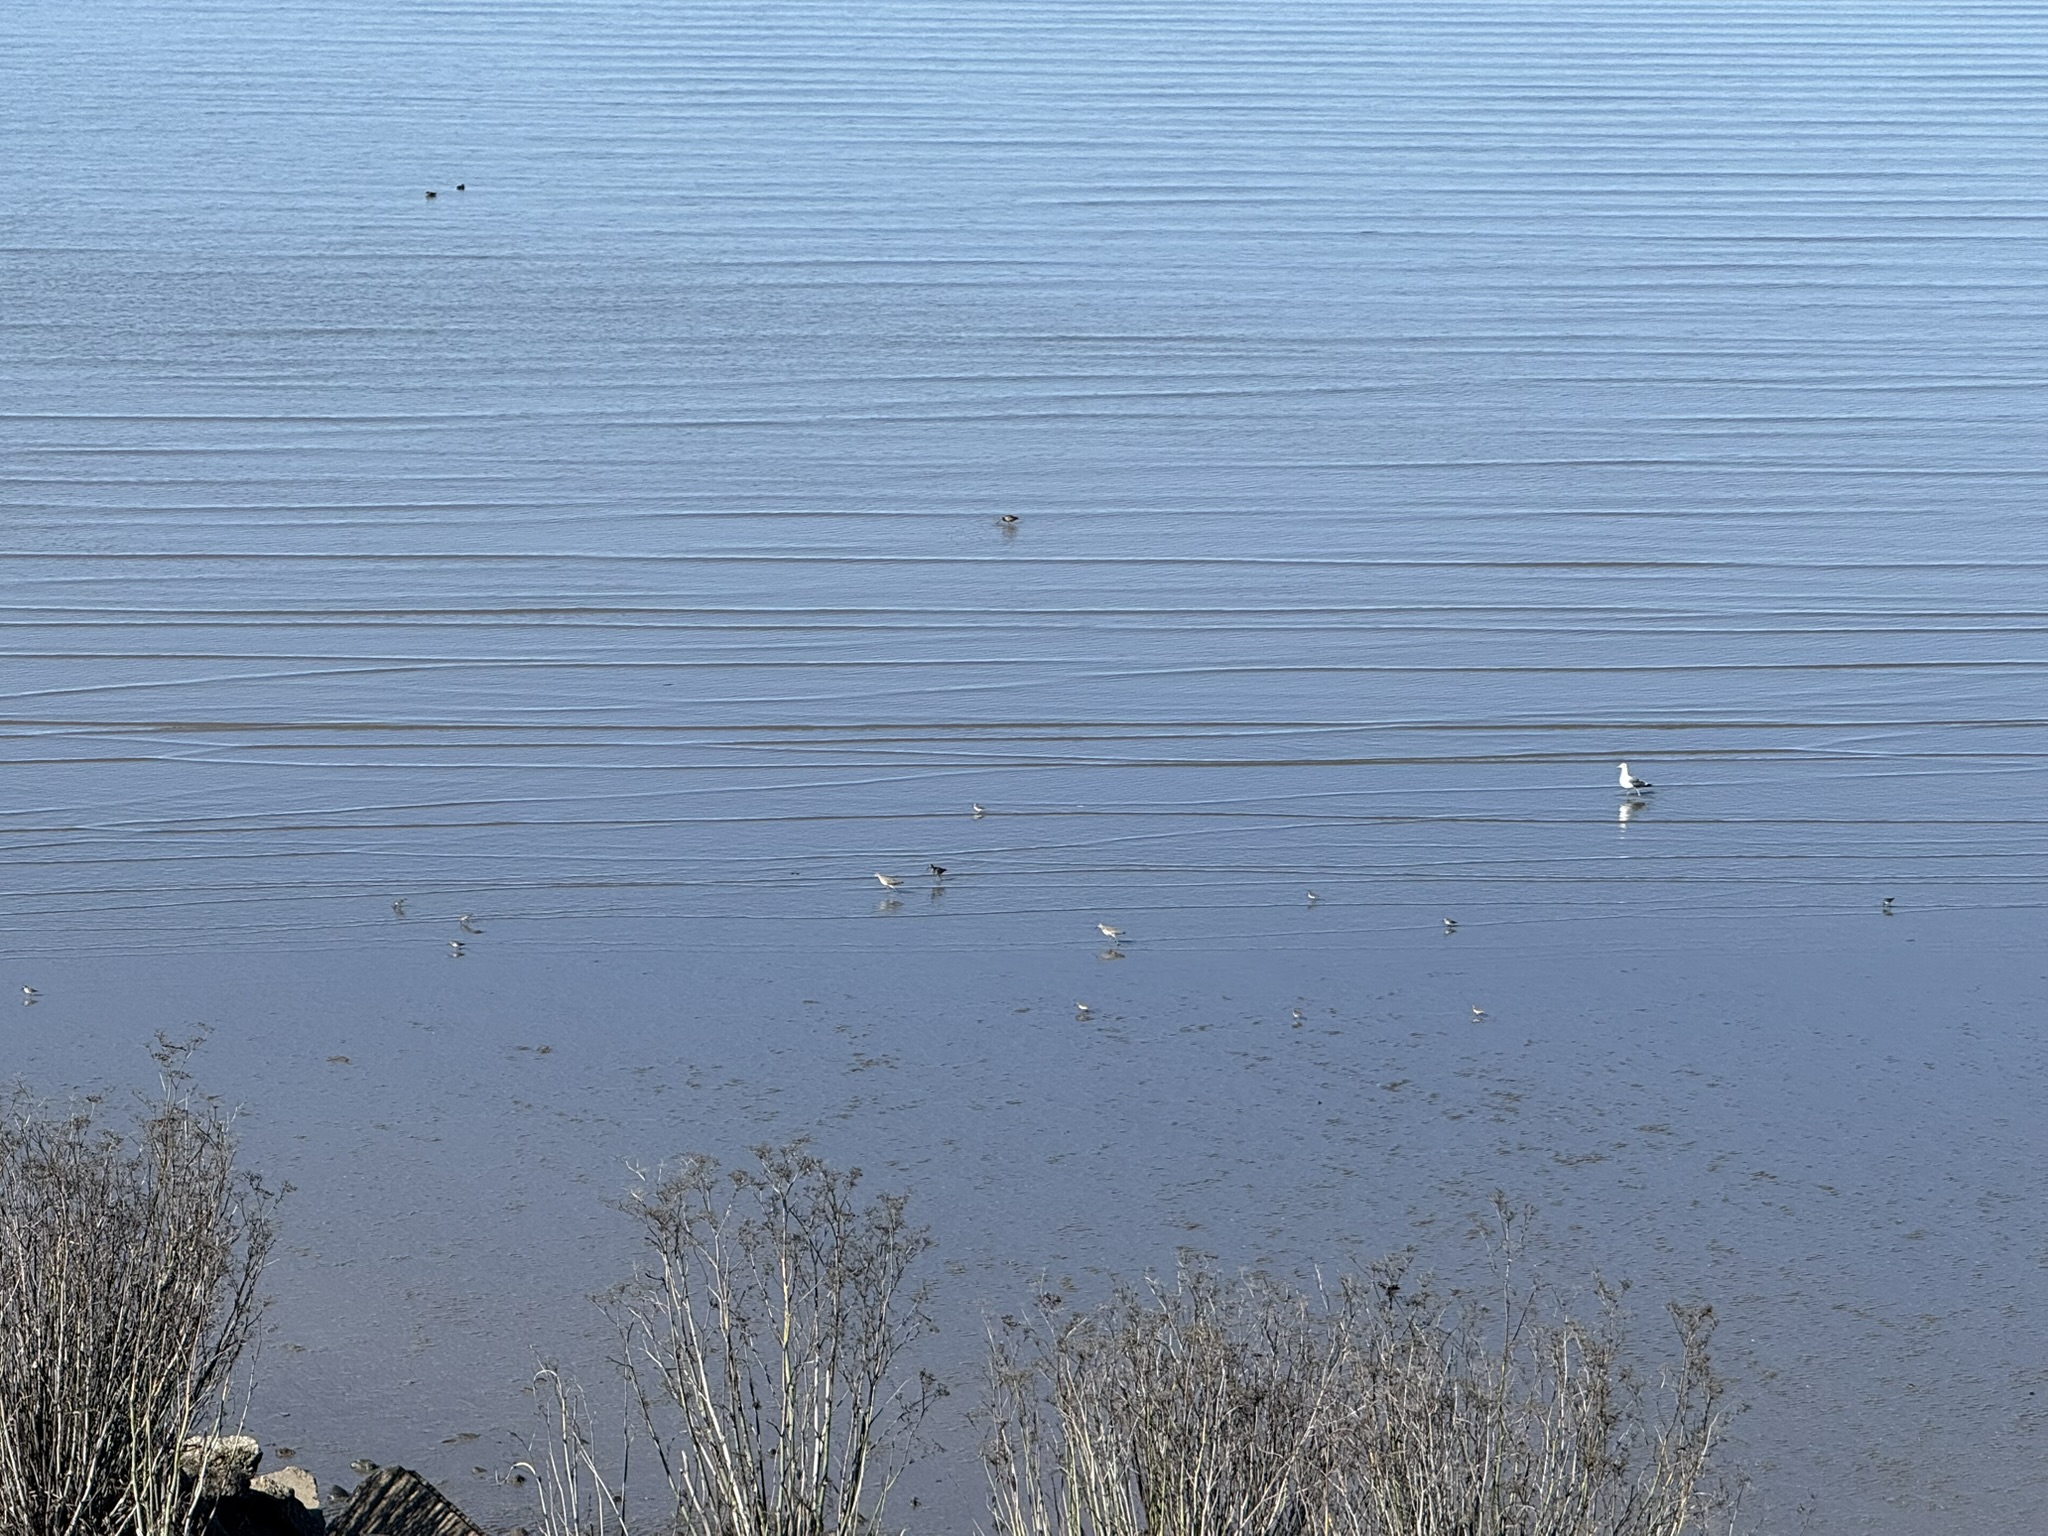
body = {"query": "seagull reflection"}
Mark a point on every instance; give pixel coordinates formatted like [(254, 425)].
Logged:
[(1630, 809)]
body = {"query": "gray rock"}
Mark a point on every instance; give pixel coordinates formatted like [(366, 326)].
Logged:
[(223, 1464), (392, 1501), (289, 1483)]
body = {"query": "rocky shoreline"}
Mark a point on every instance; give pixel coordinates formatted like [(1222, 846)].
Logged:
[(235, 1499)]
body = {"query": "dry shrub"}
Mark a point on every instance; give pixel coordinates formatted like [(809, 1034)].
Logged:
[(129, 1262), (760, 1348), (1219, 1406)]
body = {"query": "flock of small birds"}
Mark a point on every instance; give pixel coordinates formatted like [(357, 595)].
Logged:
[(466, 921)]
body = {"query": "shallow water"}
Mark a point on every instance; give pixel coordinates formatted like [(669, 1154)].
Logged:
[(1409, 412)]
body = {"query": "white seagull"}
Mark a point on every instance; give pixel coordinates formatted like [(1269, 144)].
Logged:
[(1628, 780)]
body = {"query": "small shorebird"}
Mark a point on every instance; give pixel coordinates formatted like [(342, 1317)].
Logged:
[(979, 811), (1629, 781), (432, 195), (1478, 1013), (455, 949), (889, 882), (1885, 906), (398, 907), (1313, 898), (466, 924), (1450, 925), (1008, 520), (1082, 1010), (29, 994), (1108, 932), (938, 871)]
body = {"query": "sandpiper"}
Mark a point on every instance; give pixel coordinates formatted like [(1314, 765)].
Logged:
[(1885, 906), (398, 907), (1478, 1012), (889, 882), (938, 871), (1629, 781), (1108, 932), (979, 811), (466, 923), (1450, 925)]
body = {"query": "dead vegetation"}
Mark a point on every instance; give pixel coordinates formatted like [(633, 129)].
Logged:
[(129, 1259), (761, 1345)]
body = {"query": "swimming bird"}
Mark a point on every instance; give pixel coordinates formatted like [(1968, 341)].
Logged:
[(979, 811), (1450, 925), (889, 882), (462, 186), (1628, 780), (938, 871), (1108, 932), (432, 195), (1008, 519)]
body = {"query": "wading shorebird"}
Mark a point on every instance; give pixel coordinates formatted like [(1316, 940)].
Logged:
[(1108, 932), (1629, 781), (1450, 925), (979, 811), (889, 882), (938, 871)]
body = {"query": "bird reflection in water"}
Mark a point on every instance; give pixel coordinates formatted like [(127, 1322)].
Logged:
[(1630, 809)]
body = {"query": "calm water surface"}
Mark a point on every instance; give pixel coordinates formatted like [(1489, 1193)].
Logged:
[(1408, 410)]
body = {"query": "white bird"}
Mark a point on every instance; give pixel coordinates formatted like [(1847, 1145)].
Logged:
[(889, 882), (455, 949), (1478, 1012), (979, 811), (1628, 780), (1082, 1008), (1108, 932), (1313, 898), (465, 923), (30, 992), (1450, 925)]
